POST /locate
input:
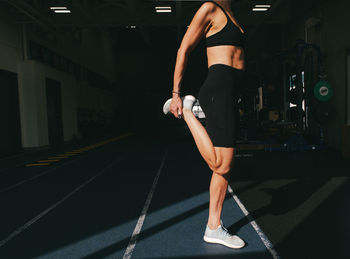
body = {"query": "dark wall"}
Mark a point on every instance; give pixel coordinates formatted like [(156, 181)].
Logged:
[(145, 73), (10, 129)]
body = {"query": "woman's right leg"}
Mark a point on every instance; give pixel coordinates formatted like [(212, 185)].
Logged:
[(201, 138)]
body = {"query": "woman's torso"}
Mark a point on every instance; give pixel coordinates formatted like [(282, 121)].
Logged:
[(225, 54)]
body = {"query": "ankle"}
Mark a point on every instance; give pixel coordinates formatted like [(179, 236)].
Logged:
[(213, 226), (186, 110)]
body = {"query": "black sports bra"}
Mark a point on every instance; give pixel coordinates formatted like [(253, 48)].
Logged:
[(229, 35)]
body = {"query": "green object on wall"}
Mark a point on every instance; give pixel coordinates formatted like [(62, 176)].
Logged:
[(323, 91)]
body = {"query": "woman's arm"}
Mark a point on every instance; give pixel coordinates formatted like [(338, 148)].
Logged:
[(199, 26)]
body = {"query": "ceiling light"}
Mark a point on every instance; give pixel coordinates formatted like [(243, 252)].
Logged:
[(58, 8), (260, 9), (62, 11), (262, 6), (163, 9)]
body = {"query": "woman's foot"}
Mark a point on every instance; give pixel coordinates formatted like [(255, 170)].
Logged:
[(223, 237), (187, 103)]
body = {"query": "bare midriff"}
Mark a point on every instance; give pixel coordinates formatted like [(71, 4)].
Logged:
[(226, 54)]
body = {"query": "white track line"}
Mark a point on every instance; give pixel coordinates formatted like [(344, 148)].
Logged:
[(132, 243), (258, 230), (42, 214)]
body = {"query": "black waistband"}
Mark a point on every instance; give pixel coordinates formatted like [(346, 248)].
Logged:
[(225, 67)]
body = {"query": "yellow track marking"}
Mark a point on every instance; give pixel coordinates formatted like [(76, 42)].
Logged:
[(77, 151), (37, 164)]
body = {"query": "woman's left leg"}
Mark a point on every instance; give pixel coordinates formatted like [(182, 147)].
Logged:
[(218, 186), (219, 160)]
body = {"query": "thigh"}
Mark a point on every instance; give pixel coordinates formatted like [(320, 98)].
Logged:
[(218, 101)]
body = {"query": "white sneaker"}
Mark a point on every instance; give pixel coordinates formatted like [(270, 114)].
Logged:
[(187, 102), (197, 110), (221, 236), (166, 106)]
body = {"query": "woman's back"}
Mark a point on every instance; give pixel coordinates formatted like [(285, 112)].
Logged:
[(224, 39)]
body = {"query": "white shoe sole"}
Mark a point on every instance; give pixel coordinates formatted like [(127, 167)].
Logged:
[(166, 106), (218, 241)]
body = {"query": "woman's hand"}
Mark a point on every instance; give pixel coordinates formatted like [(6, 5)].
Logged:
[(176, 106)]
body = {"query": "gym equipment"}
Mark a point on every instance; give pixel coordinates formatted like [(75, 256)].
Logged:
[(293, 96), (303, 67), (323, 91), (324, 113), (292, 113)]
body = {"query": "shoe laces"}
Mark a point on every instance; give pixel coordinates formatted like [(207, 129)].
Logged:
[(225, 231)]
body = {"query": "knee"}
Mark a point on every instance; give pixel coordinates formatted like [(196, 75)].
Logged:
[(221, 169)]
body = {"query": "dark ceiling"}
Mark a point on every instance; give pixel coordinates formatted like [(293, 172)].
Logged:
[(119, 12), (114, 14), (115, 18)]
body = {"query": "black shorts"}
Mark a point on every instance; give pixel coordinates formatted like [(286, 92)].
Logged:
[(218, 99)]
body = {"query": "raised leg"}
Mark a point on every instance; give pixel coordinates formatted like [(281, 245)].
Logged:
[(201, 138)]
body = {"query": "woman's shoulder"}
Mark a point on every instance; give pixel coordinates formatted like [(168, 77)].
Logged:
[(208, 6)]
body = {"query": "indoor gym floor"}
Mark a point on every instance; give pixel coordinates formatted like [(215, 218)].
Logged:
[(145, 195)]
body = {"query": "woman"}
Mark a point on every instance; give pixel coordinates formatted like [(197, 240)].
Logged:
[(214, 20)]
